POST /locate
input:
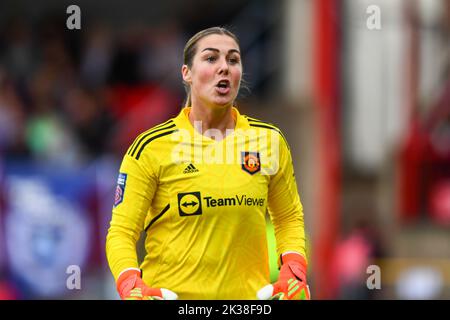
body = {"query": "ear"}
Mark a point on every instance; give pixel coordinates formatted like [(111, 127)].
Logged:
[(186, 73)]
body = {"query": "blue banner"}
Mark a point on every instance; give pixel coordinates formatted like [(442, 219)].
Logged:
[(48, 226)]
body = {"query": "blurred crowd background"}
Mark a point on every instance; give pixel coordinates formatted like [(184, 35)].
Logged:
[(364, 103)]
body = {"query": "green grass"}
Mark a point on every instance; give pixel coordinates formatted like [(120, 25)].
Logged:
[(272, 246)]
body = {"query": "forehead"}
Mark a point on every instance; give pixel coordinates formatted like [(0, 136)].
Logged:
[(217, 41)]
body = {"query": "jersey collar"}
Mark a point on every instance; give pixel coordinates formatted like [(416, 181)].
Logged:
[(182, 120)]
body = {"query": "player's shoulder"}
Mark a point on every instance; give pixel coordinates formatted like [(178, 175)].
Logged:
[(257, 123), (263, 125), (158, 133)]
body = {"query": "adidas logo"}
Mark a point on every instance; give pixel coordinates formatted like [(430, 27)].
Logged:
[(190, 169)]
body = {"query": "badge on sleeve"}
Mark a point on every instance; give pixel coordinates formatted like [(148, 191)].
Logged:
[(120, 188)]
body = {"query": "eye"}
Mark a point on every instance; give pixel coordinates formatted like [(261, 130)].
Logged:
[(211, 58), (233, 60)]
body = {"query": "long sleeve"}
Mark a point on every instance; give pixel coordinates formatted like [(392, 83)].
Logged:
[(284, 205), (135, 189)]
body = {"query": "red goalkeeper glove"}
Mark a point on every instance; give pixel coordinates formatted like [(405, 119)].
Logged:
[(131, 287), (291, 284)]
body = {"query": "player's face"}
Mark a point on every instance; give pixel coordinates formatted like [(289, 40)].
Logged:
[(216, 71)]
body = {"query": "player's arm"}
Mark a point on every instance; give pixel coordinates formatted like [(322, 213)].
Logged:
[(286, 213), (136, 186)]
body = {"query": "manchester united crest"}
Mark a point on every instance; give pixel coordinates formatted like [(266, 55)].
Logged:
[(250, 162)]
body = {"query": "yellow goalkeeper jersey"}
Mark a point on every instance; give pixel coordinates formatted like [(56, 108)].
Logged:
[(202, 203)]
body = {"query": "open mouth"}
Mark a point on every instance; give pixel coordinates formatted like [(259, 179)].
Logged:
[(223, 86)]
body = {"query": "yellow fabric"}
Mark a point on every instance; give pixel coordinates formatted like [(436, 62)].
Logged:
[(203, 213)]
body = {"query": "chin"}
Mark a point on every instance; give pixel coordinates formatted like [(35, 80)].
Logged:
[(223, 102)]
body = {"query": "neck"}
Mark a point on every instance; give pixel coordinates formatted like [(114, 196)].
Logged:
[(212, 118)]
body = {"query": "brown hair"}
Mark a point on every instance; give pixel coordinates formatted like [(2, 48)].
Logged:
[(190, 49)]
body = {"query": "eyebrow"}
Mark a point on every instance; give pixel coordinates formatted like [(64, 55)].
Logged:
[(217, 50)]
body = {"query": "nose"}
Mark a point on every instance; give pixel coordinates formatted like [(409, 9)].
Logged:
[(223, 67)]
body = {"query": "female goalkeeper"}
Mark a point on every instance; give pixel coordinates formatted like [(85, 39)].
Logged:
[(200, 185)]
